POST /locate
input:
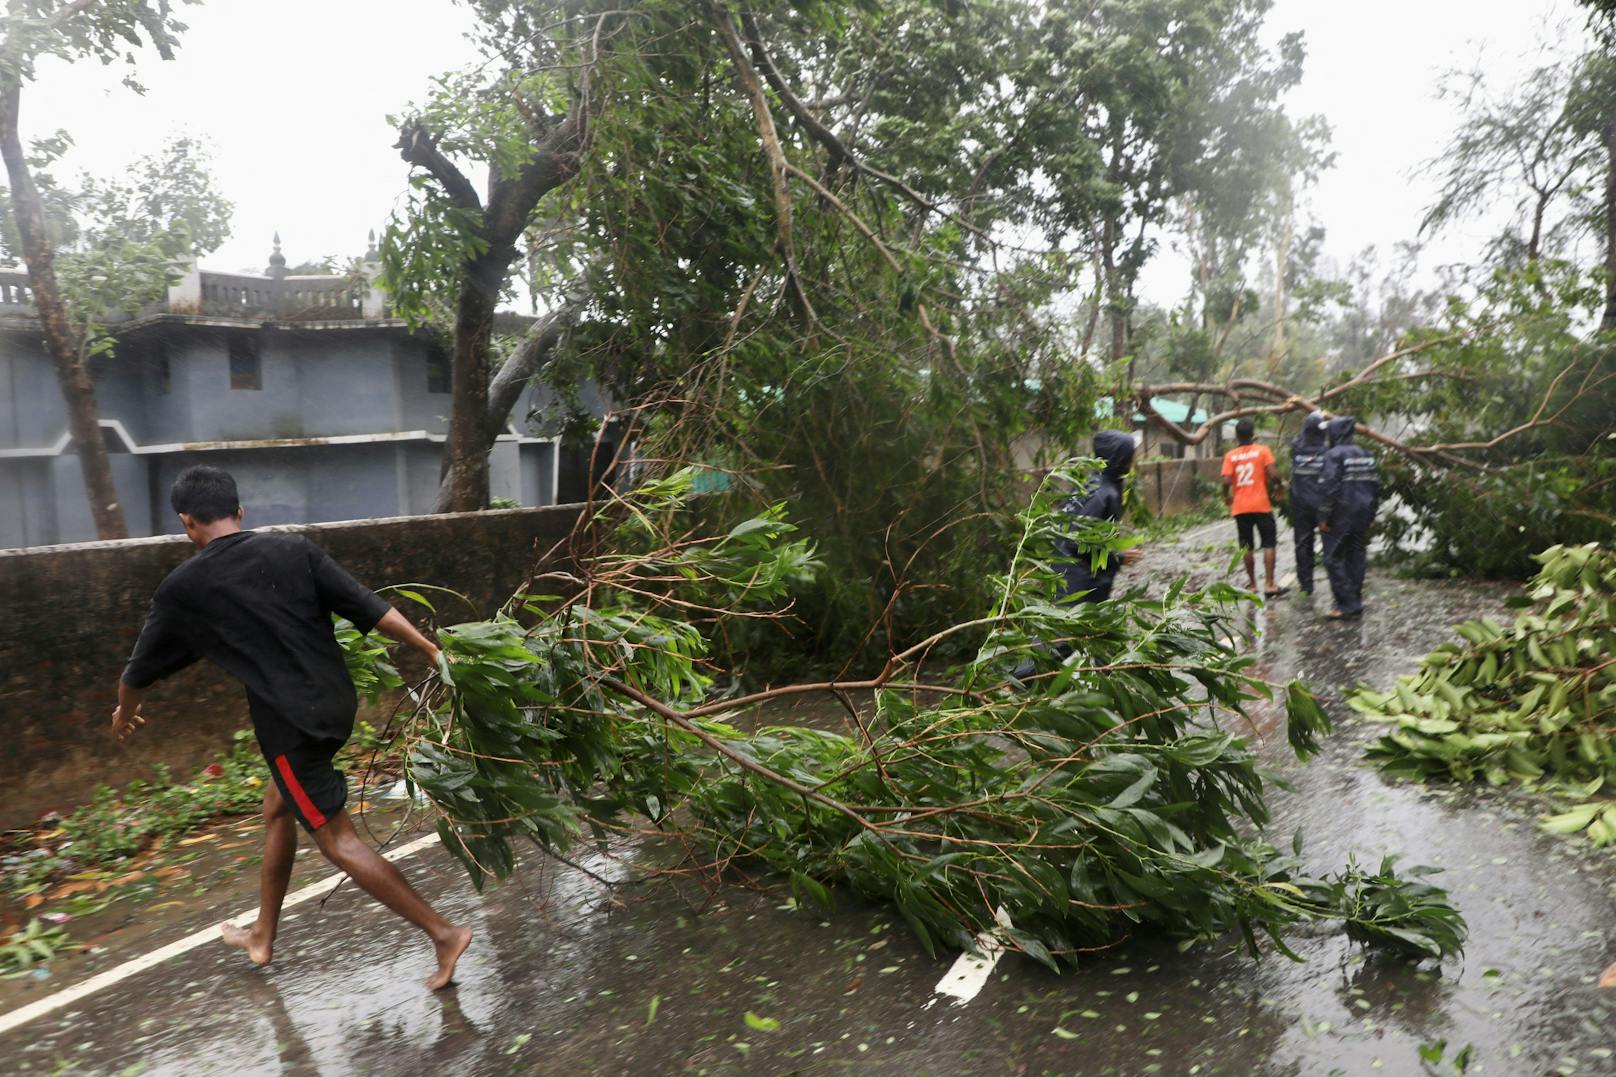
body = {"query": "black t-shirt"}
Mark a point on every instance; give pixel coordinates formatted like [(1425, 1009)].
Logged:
[(259, 606)]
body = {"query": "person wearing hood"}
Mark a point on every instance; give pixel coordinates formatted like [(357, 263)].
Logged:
[(1307, 472), (1349, 494), (1102, 500), (1081, 579)]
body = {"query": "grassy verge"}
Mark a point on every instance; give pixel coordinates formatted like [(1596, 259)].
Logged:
[(1159, 528), (133, 842)]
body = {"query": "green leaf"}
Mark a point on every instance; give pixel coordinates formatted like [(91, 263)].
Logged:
[(761, 1024)]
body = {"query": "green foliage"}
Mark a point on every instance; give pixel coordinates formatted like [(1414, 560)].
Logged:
[(422, 251), (105, 31), (119, 823), (889, 368), (121, 242), (1114, 794), (1402, 915), (369, 662), (1533, 148), (1533, 703), (32, 945), (1514, 389)]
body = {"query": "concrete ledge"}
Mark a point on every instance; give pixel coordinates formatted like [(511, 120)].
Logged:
[(69, 616)]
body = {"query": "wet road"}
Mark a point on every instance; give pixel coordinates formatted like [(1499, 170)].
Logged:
[(662, 978)]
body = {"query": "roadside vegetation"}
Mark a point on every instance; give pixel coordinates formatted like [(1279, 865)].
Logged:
[(136, 843), (1530, 704), (1112, 794)]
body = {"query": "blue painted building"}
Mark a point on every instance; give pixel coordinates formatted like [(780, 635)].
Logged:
[(322, 406)]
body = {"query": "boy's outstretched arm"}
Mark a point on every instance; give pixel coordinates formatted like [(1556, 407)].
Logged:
[(397, 626)]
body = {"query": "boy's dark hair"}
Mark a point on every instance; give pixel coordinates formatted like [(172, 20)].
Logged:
[(1244, 431), (205, 494)]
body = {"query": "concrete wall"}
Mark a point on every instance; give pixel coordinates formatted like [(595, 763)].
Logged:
[(69, 616), (31, 408), (72, 504), (418, 409), (27, 507), (170, 383)]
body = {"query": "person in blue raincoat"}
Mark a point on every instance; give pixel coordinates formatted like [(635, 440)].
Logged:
[(1081, 580), (1349, 494), (1102, 500), (1307, 474)]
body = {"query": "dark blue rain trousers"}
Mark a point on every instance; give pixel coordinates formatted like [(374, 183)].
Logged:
[(1350, 493), (1346, 554), (1307, 474)]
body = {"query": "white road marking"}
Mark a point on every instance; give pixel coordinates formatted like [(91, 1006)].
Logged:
[(971, 970), (19, 1017)]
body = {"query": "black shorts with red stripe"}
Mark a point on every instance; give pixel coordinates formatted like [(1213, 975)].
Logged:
[(303, 769)]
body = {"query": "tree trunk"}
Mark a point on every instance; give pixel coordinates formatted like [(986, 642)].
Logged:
[(1094, 313), (1282, 251), (461, 485), (63, 339), (1115, 308), (531, 355), (1534, 241), (465, 483), (511, 202), (1609, 321)]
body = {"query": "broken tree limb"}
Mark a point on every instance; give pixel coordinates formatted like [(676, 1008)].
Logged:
[(746, 75), (532, 354), (827, 138)]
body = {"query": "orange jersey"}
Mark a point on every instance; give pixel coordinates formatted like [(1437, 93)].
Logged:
[(1248, 467)]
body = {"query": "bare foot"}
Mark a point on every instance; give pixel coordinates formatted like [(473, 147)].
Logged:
[(258, 951), (449, 951)]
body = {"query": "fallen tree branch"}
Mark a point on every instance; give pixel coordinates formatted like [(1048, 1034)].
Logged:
[(827, 138), (763, 116)]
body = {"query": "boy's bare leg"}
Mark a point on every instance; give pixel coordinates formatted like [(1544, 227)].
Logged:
[(1268, 568), (1251, 571), (382, 881), (274, 876)]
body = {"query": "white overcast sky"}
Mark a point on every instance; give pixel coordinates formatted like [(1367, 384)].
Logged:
[(293, 95)]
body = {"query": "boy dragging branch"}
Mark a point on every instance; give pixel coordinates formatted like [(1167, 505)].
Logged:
[(259, 606)]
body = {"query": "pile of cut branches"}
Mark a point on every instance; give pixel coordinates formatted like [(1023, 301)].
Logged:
[(1116, 791), (1533, 703)]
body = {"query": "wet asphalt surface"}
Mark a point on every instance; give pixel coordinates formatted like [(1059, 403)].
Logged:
[(660, 976)]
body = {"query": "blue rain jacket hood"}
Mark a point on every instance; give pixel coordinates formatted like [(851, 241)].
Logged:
[(1101, 500), (1116, 449), (1350, 484), (1307, 468)]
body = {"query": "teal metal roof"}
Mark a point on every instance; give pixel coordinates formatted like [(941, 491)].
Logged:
[(1171, 410)]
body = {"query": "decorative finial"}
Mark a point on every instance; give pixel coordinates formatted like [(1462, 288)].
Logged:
[(371, 253), (277, 260)]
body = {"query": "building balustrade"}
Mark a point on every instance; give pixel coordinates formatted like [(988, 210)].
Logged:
[(276, 295), (300, 297), (15, 291)]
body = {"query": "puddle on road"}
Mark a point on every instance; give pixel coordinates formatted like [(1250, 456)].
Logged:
[(563, 981)]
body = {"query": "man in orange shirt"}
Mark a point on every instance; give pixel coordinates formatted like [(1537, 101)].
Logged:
[(1248, 476)]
